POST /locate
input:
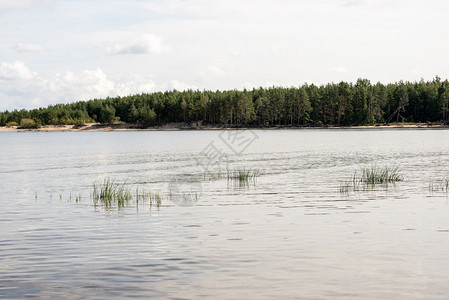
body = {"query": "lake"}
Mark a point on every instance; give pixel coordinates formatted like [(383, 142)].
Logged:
[(289, 232)]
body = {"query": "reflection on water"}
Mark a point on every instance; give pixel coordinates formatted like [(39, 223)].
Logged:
[(291, 233)]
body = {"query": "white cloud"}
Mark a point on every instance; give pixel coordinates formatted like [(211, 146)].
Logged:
[(96, 82), (308, 81), (238, 54), (178, 85), (212, 73), (91, 84), (145, 44), (373, 3), (206, 9), (22, 88), (189, 8), (339, 69), (8, 4), (27, 47), (212, 45), (348, 3), (282, 49), (248, 85), (15, 71), (134, 83), (217, 72), (416, 72)]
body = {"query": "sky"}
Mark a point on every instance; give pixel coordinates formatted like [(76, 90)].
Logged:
[(60, 51)]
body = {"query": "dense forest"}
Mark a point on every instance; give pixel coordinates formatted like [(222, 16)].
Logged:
[(340, 104)]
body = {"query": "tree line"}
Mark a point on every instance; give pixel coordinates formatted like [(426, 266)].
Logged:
[(339, 104)]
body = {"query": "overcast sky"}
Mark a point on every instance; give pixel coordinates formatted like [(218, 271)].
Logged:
[(57, 51)]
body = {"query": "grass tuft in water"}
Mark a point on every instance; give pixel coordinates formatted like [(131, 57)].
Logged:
[(242, 177), (380, 175), (151, 198), (109, 193), (371, 176)]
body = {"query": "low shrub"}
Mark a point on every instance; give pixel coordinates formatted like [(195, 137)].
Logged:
[(11, 124), (28, 123)]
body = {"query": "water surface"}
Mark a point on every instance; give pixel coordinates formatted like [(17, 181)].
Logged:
[(291, 235)]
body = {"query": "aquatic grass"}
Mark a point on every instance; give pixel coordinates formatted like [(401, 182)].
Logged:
[(152, 198), (346, 187), (143, 197), (379, 175), (155, 198), (110, 192), (242, 177), (242, 174), (370, 177), (353, 184)]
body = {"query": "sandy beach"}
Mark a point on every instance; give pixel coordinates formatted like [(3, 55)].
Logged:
[(106, 127), (193, 126)]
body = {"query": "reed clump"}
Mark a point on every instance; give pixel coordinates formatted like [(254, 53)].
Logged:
[(242, 177), (144, 197), (380, 175), (111, 193), (371, 176)]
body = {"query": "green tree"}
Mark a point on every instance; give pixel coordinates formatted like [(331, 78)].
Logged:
[(107, 114)]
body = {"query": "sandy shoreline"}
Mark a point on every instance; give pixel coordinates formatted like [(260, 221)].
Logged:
[(195, 126)]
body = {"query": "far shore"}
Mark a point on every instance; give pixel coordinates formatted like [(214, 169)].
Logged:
[(195, 126)]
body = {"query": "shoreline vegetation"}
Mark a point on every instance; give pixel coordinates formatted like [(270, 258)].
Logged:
[(335, 105), (199, 126)]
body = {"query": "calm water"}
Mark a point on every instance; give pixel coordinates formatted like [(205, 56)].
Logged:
[(290, 235)]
